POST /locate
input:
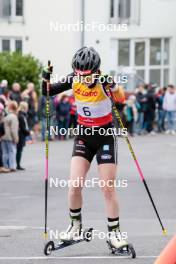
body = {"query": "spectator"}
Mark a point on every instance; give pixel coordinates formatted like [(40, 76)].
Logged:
[(4, 87), (10, 138), (3, 101), (131, 114), (2, 169), (63, 115), (30, 96), (36, 126), (151, 107), (23, 132), (42, 111), (161, 111), (142, 101), (169, 105), (15, 94)]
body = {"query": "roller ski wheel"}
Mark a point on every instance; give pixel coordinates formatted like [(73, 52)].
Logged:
[(133, 252), (49, 247), (123, 251)]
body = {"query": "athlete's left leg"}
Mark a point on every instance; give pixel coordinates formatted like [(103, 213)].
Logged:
[(108, 176), (107, 166)]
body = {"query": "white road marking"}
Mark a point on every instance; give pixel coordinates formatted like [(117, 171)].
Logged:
[(20, 227), (16, 196), (12, 227), (74, 257), (21, 197)]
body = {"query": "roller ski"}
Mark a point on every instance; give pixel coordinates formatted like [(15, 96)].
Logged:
[(120, 247), (73, 235)]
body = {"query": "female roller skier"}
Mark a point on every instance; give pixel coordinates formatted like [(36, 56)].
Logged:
[(94, 110)]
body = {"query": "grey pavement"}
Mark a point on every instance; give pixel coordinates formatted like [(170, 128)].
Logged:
[(22, 204)]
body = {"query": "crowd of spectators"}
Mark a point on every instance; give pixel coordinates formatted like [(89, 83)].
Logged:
[(23, 119), (149, 110), (18, 120)]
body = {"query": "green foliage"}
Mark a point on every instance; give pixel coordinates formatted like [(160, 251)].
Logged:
[(16, 67)]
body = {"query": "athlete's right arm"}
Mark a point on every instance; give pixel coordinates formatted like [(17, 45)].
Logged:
[(59, 87)]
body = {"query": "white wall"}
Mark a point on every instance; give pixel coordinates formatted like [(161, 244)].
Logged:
[(158, 19), (39, 40), (47, 44)]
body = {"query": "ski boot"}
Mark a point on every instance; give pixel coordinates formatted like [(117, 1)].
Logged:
[(73, 232), (119, 246)]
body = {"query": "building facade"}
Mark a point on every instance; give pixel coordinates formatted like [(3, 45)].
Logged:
[(31, 26), (145, 50)]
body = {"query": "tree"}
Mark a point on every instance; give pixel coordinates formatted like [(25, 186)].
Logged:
[(16, 67)]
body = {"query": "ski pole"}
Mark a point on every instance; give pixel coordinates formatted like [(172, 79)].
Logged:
[(47, 149), (119, 120)]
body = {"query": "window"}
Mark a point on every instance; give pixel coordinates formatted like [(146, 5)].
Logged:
[(140, 53), (124, 52), (11, 45), (140, 75), (155, 76), (18, 45), (166, 51), (166, 77), (155, 51), (11, 9), (5, 8), (125, 11), (112, 9), (147, 60), (5, 45), (19, 7), (159, 61)]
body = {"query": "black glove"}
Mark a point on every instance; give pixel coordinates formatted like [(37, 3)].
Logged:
[(47, 71)]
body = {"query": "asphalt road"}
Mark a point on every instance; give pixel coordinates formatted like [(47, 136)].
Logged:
[(22, 204)]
